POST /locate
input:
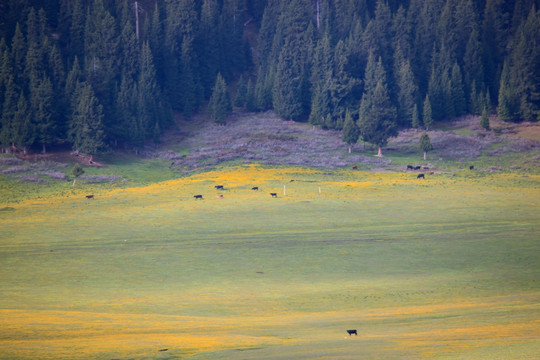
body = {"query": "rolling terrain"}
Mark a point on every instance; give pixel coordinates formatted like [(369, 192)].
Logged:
[(444, 267)]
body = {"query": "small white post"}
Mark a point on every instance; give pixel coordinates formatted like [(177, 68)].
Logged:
[(284, 191), (319, 190)]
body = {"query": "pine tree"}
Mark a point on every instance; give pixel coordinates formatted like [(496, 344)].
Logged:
[(415, 121), (220, 103), (250, 97), (427, 116), (378, 118), (484, 120), (86, 131), (425, 144), (241, 92), (506, 110), (42, 110), (350, 131), (9, 109), (457, 91), (23, 131)]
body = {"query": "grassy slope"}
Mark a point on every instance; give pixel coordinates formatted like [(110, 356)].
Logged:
[(442, 268)]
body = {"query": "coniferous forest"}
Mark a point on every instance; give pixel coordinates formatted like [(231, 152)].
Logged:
[(103, 74)]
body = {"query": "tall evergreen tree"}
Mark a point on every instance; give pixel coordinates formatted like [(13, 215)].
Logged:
[(425, 144), (23, 130), (428, 113), (378, 118), (350, 131), (86, 131), (220, 102)]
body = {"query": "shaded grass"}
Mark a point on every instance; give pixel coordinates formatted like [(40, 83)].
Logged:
[(441, 268)]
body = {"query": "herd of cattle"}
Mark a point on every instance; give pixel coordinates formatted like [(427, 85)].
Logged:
[(274, 195)]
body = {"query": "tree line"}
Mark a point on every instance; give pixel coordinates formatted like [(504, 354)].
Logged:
[(101, 74)]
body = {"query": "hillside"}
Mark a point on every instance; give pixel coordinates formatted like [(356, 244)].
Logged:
[(264, 138)]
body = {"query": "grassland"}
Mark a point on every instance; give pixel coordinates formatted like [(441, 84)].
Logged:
[(446, 268)]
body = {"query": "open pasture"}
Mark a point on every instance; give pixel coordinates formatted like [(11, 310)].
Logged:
[(436, 268)]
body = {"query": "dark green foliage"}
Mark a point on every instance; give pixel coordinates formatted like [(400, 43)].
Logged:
[(378, 117), (241, 92), (425, 144), (350, 131), (77, 170), (305, 59), (484, 120), (428, 114), (86, 131), (220, 102)]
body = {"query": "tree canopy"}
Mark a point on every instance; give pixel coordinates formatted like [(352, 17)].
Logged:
[(133, 67)]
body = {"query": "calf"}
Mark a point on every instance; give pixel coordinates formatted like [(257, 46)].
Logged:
[(273, 195), (90, 197), (355, 167), (471, 167), (220, 196), (256, 188), (197, 197), (351, 332), (420, 176), (219, 187)]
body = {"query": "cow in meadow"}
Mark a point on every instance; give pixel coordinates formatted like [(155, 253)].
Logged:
[(256, 188), (420, 176), (90, 197), (351, 332), (273, 195), (410, 167), (219, 187), (198, 197)]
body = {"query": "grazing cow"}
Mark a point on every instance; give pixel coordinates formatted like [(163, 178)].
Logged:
[(355, 167), (417, 168), (197, 197), (425, 168), (351, 332), (256, 188), (420, 176), (220, 196), (90, 197), (431, 172), (471, 167), (410, 167), (273, 195), (219, 187), (164, 350)]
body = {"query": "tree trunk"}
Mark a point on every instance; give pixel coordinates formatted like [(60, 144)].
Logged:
[(424, 156), (349, 149), (379, 153), (74, 180), (44, 150)]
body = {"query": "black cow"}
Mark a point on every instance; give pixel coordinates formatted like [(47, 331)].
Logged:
[(273, 195), (90, 197), (255, 188), (471, 167), (420, 176), (417, 167), (410, 167), (219, 187), (197, 197), (351, 332)]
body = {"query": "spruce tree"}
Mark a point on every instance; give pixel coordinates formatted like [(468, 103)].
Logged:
[(484, 120), (427, 116), (23, 130), (86, 131), (415, 121), (378, 118), (241, 92), (350, 131), (220, 103), (425, 144)]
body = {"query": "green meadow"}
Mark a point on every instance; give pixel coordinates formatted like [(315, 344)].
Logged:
[(442, 268)]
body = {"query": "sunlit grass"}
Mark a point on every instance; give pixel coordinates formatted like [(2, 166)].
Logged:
[(445, 267)]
